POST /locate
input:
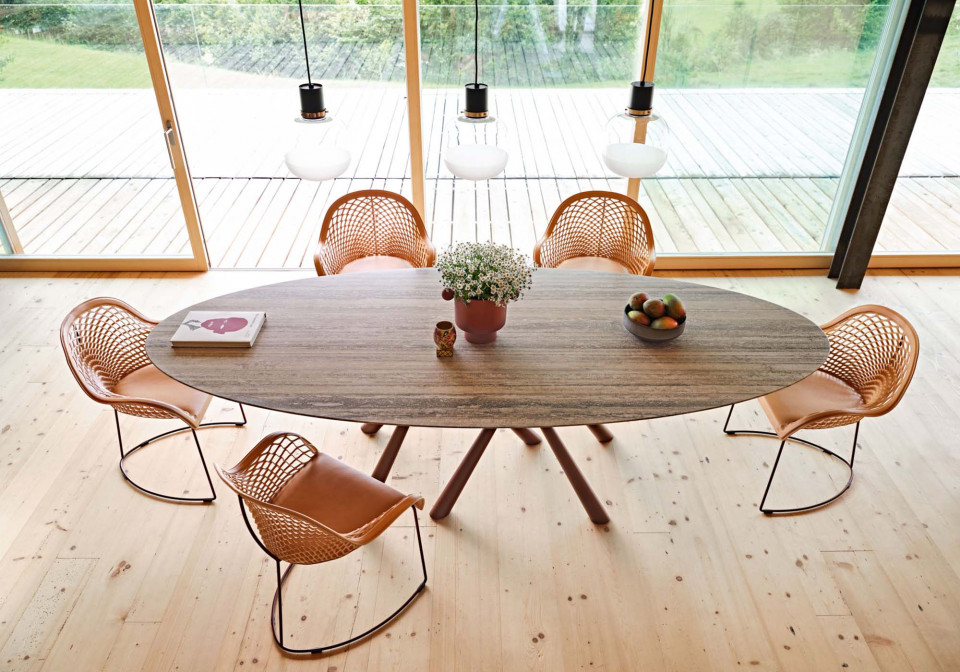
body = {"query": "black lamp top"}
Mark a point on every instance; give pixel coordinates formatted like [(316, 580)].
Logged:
[(476, 99), (641, 96), (311, 101)]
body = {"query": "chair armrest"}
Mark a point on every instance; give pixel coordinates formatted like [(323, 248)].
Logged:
[(166, 410), (828, 419), (318, 260), (367, 533), (431, 253)]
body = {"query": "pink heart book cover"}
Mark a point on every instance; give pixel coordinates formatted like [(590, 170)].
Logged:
[(218, 329)]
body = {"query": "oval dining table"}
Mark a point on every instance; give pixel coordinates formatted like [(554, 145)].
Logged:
[(359, 347)]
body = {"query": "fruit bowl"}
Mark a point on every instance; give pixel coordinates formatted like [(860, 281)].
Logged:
[(650, 334)]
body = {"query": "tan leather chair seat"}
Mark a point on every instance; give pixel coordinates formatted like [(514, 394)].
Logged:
[(593, 264), (149, 382), (337, 495), (378, 262), (814, 394)]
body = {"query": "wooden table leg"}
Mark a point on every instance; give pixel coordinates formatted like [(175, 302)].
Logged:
[(385, 463), (451, 492), (602, 433), (528, 435), (370, 428), (589, 500)]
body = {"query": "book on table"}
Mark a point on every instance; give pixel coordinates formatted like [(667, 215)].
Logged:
[(219, 329)]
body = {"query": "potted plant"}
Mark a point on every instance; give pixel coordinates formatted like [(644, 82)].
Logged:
[(482, 278)]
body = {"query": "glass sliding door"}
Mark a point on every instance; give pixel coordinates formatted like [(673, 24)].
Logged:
[(86, 170), (923, 217), (761, 97), (557, 71), (235, 71), (765, 96)]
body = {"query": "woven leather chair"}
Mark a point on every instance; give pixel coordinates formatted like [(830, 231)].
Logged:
[(310, 508), (873, 354), (103, 340), (372, 230), (598, 231)]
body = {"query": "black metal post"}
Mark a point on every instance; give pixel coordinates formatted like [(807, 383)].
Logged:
[(914, 59)]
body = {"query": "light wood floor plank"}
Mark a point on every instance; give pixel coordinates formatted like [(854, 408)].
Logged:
[(687, 576)]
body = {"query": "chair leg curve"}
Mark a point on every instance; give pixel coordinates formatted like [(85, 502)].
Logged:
[(776, 463), (196, 440), (276, 611)]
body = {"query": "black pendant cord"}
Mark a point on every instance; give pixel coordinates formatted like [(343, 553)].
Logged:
[(306, 55), (476, 41), (646, 49)]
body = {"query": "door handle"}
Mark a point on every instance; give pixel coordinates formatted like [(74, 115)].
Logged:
[(170, 140)]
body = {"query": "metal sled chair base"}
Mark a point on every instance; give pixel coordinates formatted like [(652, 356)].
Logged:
[(276, 611), (144, 444), (783, 442)]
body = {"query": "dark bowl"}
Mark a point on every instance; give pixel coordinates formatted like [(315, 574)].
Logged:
[(648, 333)]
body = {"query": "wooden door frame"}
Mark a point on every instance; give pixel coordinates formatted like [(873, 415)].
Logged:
[(8, 234), (411, 54), (169, 126)]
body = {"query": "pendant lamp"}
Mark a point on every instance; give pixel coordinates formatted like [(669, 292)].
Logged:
[(472, 149), (638, 138), (317, 153)]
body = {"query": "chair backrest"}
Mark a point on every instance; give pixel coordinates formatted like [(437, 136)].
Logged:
[(599, 224), (368, 223), (104, 340), (874, 350), (284, 534)]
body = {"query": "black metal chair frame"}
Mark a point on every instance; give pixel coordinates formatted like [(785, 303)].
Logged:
[(783, 442), (173, 498), (276, 610)]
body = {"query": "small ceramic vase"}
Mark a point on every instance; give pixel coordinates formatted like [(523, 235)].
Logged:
[(444, 335)]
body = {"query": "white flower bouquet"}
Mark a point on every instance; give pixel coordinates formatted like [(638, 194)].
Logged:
[(484, 272)]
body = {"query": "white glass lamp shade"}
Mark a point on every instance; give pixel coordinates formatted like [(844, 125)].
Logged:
[(473, 149), (636, 146), (317, 153)]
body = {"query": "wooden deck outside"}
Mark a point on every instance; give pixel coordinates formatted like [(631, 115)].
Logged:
[(749, 171)]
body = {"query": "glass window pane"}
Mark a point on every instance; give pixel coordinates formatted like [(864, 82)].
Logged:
[(761, 98), (84, 170), (235, 70)]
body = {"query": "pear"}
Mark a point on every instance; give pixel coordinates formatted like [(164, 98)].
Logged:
[(674, 306)]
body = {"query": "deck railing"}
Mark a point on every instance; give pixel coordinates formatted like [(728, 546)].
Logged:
[(702, 45)]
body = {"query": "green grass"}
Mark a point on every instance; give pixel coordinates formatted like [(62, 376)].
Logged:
[(38, 64)]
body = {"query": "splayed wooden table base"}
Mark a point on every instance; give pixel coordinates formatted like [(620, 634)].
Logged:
[(451, 493), (454, 486)]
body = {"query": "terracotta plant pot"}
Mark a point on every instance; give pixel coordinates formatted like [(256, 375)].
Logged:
[(479, 320)]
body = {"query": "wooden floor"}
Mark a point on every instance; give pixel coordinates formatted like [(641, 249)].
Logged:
[(747, 172), (687, 576)]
